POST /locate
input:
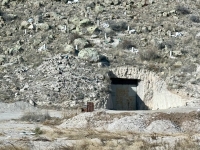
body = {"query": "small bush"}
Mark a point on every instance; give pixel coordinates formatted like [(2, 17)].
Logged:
[(118, 26), (126, 44), (154, 67), (195, 19), (182, 10), (54, 121), (37, 131), (148, 55), (36, 117)]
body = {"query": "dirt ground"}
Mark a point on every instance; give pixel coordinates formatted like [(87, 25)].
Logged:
[(172, 125)]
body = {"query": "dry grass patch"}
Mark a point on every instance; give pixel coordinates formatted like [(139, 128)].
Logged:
[(186, 145), (104, 140), (103, 116), (70, 113), (12, 147), (53, 121), (36, 116), (176, 118), (66, 114), (78, 134)]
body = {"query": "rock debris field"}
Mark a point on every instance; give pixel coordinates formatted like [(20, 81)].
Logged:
[(56, 55)]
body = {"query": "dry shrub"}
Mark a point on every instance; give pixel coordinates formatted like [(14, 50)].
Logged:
[(54, 121), (70, 113), (182, 10), (38, 131), (118, 26), (195, 19), (154, 67), (126, 44), (149, 55), (56, 133), (36, 116), (66, 114)]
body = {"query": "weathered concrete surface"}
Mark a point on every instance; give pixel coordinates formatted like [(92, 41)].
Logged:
[(123, 97), (151, 89)]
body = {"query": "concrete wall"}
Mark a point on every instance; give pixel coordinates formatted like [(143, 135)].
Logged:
[(151, 89), (123, 97)]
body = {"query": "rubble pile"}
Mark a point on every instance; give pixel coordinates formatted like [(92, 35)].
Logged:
[(66, 81)]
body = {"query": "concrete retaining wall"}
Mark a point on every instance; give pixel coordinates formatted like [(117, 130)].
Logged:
[(151, 89)]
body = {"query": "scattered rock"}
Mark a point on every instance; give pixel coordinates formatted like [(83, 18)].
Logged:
[(89, 54)]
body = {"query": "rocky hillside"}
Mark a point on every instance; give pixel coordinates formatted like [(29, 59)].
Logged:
[(60, 52)]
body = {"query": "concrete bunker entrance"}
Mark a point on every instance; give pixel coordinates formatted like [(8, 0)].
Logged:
[(124, 95)]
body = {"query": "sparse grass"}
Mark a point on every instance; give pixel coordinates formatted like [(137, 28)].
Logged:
[(66, 114), (36, 116), (92, 139), (53, 121), (70, 113), (78, 134)]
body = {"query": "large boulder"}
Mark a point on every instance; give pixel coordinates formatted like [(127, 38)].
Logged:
[(42, 26), (89, 54), (69, 49), (99, 9), (81, 43), (24, 25), (93, 30)]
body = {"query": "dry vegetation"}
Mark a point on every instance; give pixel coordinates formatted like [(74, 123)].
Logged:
[(11, 146), (103, 140), (46, 119), (36, 116)]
